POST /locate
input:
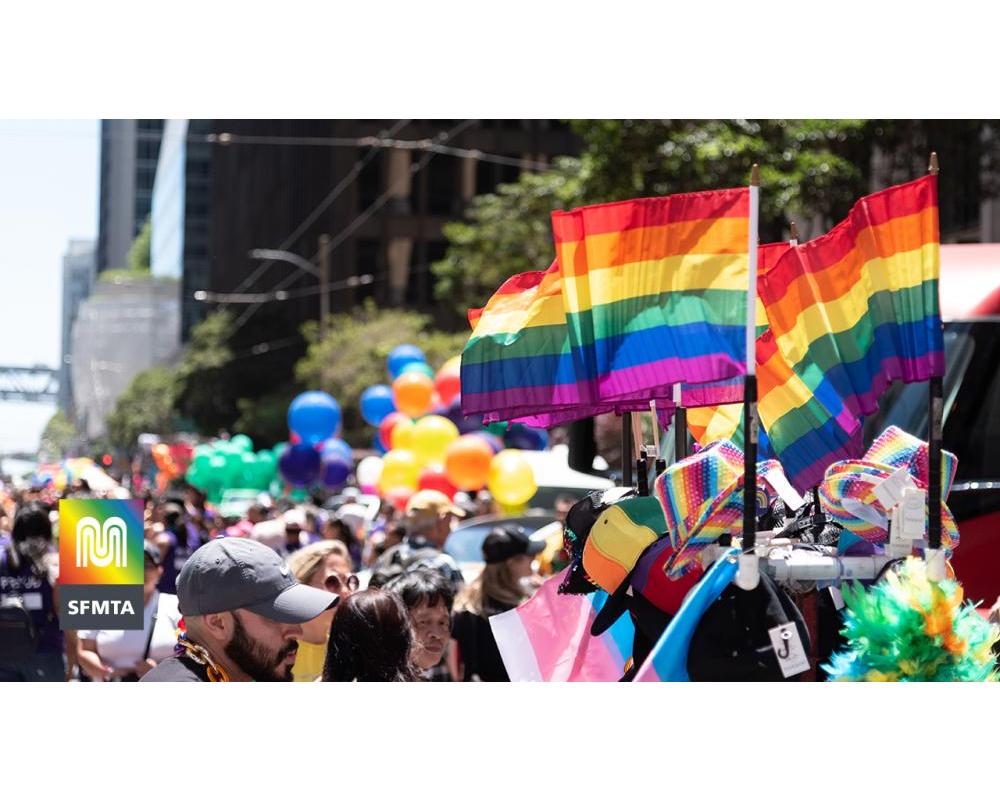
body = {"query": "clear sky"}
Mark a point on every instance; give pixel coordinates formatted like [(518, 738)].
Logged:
[(48, 195)]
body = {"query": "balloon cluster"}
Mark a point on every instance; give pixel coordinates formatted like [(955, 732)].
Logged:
[(229, 464), (426, 442), (315, 454)]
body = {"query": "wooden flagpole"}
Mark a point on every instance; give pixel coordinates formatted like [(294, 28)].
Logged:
[(934, 436), (750, 384)]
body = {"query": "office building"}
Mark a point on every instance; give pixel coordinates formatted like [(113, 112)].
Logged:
[(129, 151), (125, 326), (180, 214), (77, 280)]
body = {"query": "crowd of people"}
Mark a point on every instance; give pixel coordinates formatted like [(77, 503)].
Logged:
[(284, 591)]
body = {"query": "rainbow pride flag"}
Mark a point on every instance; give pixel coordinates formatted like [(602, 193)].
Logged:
[(710, 423), (518, 365), (655, 290), (548, 638), (803, 433), (858, 307)]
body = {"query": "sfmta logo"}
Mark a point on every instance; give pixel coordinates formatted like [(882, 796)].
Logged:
[(101, 545)]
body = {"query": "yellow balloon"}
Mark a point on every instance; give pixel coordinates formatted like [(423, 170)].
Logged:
[(401, 436), (452, 364), (511, 480), (431, 436), (399, 470)]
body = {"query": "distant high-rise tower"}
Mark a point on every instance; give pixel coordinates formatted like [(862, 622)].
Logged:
[(77, 281), (129, 150)]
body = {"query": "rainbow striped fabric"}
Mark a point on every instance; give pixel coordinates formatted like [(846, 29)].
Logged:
[(710, 423), (855, 309), (548, 638), (517, 365), (655, 290)]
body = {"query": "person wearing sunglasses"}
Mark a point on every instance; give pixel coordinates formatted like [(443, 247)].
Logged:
[(323, 565)]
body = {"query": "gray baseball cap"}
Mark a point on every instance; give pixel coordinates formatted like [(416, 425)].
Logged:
[(226, 574)]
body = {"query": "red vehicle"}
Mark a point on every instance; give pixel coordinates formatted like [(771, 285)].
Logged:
[(970, 307)]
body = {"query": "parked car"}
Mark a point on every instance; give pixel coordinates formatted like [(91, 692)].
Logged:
[(465, 544)]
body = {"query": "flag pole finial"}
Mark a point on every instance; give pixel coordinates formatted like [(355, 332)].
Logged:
[(793, 230), (755, 175), (933, 168)]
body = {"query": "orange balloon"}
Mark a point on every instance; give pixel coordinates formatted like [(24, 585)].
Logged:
[(413, 393), (467, 462)]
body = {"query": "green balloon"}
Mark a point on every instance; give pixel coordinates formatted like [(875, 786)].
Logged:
[(497, 428), (418, 366), (196, 476), (217, 465), (243, 442), (234, 466)]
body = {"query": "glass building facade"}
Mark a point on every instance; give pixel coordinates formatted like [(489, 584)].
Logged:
[(180, 214)]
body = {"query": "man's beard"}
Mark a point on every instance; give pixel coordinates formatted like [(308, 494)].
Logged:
[(254, 660)]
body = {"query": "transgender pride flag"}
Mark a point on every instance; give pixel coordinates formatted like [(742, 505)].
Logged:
[(548, 638)]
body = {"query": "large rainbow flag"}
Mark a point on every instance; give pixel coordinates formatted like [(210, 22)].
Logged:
[(517, 364), (655, 291), (858, 307), (548, 638)]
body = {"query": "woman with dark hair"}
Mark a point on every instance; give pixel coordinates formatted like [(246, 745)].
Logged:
[(31, 644), (370, 640), (428, 598)]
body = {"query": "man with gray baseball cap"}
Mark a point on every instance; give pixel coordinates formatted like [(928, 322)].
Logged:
[(243, 611)]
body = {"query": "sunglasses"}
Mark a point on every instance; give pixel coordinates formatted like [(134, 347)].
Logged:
[(336, 583)]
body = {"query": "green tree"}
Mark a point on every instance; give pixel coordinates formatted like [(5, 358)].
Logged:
[(352, 356), (504, 233), (146, 406), (139, 252), (206, 392), (265, 419), (810, 168), (57, 438)]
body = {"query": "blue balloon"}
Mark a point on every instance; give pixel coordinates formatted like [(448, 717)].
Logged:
[(377, 445), (299, 464), (314, 416), (337, 447), (377, 404), (403, 355), (335, 470), (521, 437)]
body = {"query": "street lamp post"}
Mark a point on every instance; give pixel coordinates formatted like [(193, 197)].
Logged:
[(323, 273)]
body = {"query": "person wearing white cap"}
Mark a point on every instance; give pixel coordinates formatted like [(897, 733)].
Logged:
[(243, 612)]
